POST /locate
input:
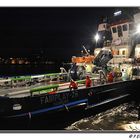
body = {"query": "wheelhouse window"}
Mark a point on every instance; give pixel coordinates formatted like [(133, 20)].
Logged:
[(104, 26), (114, 29), (119, 28), (124, 27), (123, 52)]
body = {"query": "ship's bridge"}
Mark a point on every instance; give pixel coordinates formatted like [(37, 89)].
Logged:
[(121, 31)]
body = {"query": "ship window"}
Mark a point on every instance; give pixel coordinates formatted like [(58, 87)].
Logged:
[(123, 52), (119, 28), (124, 27), (131, 26), (114, 29)]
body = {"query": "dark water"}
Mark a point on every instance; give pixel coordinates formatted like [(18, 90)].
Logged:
[(13, 70)]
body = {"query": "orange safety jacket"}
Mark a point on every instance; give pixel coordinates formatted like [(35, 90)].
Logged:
[(110, 77), (73, 85), (52, 92), (88, 82)]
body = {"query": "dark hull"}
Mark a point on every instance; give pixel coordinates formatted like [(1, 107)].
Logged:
[(86, 98)]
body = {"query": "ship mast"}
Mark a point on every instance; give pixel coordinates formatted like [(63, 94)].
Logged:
[(87, 53)]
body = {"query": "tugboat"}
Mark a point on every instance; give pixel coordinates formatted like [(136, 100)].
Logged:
[(27, 96)]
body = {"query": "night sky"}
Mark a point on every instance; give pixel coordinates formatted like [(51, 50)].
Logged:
[(57, 33)]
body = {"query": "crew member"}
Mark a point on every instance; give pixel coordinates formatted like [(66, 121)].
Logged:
[(88, 82), (110, 77), (73, 85)]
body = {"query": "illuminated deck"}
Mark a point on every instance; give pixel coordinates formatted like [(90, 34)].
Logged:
[(18, 92)]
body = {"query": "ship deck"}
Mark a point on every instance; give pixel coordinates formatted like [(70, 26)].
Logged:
[(18, 92)]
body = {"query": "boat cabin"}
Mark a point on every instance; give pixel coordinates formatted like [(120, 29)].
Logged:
[(121, 32)]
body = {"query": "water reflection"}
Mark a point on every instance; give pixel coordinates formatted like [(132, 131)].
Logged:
[(116, 118)]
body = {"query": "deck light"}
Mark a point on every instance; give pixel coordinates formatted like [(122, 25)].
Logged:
[(117, 13), (138, 28), (97, 37)]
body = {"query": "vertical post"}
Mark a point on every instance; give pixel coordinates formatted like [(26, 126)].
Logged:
[(58, 78), (11, 84), (139, 111), (29, 121), (31, 93)]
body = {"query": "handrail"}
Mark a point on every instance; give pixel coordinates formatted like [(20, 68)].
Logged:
[(55, 86), (21, 78), (5, 80), (33, 76), (44, 88), (52, 74)]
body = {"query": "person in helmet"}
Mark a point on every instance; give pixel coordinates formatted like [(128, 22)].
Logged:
[(88, 82)]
